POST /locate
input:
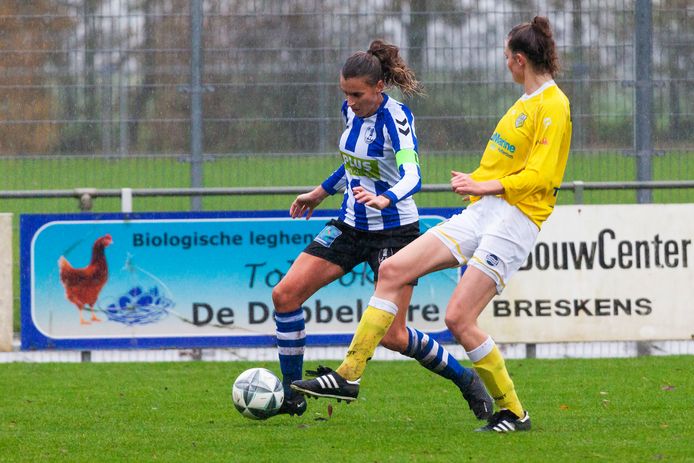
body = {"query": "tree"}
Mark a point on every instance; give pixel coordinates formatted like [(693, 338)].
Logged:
[(28, 32)]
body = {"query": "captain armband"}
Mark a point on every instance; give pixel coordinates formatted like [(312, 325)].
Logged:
[(406, 156)]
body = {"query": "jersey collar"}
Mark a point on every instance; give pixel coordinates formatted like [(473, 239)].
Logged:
[(380, 107), (542, 88)]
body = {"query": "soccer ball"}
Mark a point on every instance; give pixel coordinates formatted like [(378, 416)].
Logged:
[(257, 393)]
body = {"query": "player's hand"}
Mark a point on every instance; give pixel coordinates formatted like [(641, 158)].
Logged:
[(463, 184), (367, 198), (305, 203)]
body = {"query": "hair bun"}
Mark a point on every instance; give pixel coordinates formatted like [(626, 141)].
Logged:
[(541, 24)]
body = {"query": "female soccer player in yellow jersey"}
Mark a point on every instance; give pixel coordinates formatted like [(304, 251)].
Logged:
[(512, 193)]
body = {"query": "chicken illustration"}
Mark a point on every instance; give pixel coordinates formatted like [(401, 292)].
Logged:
[(83, 285)]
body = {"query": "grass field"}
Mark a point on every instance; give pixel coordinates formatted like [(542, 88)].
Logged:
[(626, 410)]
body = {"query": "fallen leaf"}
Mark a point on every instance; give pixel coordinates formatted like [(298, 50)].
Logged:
[(603, 393), (330, 410), (563, 407), (664, 426), (668, 387), (605, 403)]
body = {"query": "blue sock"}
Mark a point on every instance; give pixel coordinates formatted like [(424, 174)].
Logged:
[(291, 340), (436, 358)]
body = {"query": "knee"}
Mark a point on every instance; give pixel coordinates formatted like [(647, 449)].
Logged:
[(390, 274), (284, 299), (461, 327)]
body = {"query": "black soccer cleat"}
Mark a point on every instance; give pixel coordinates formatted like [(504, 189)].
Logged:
[(478, 398), (295, 405), (327, 384), (506, 421)]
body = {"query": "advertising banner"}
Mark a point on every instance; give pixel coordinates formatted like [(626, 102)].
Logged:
[(188, 280), (6, 296), (596, 273), (603, 273)]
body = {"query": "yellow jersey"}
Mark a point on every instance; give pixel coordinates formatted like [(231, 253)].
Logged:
[(528, 151)]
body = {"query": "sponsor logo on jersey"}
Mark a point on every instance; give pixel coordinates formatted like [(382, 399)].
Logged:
[(492, 260), (520, 120), (547, 121), (370, 135), (504, 147), (362, 167)]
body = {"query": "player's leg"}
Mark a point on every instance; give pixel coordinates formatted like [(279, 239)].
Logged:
[(307, 275), (503, 247), (396, 338), (433, 356), (471, 296), (424, 255)]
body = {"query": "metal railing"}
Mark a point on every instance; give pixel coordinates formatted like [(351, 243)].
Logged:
[(86, 196)]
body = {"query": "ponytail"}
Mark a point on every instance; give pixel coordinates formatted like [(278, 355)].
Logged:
[(535, 41), (383, 62)]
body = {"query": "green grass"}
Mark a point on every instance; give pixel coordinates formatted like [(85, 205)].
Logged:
[(627, 410)]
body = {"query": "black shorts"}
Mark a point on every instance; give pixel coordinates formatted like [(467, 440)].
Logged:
[(347, 247)]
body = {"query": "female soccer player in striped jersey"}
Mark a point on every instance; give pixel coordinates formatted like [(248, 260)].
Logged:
[(378, 175), (513, 191)]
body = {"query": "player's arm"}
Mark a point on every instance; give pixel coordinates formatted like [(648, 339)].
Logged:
[(410, 183), (337, 182), (305, 203), (465, 185), (538, 174), (410, 176), (400, 129)]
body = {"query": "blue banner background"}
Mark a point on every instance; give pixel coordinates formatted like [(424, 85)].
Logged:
[(205, 296)]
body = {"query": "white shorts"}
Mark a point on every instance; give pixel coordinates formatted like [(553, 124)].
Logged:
[(490, 235)]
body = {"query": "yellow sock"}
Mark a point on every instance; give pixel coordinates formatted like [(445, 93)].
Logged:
[(492, 370), (372, 327)]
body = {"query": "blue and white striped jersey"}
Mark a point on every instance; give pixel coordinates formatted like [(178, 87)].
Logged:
[(379, 153)]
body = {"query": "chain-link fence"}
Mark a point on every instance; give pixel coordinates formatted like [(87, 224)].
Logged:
[(244, 93), (178, 93)]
